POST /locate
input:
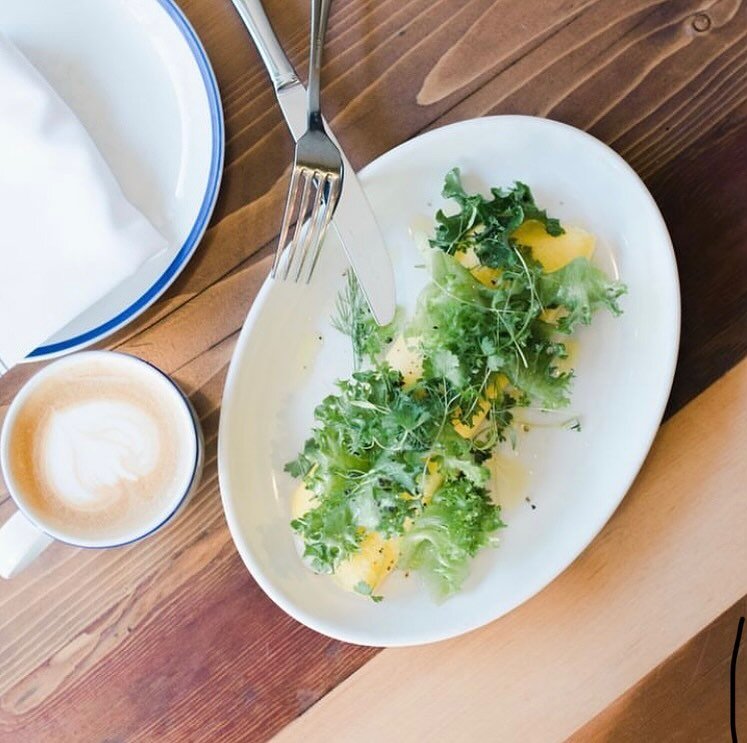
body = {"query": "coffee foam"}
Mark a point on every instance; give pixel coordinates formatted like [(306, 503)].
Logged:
[(101, 449), (93, 450)]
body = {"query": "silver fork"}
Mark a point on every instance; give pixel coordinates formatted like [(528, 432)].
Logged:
[(317, 172)]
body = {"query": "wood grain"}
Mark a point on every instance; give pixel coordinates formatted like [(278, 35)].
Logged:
[(649, 582), (685, 698), (172, 637)]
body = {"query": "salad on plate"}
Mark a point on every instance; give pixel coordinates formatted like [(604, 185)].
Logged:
[(397, 473)]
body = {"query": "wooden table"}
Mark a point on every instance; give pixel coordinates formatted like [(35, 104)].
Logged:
[(172, 639)]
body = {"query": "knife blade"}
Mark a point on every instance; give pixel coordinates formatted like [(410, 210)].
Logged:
[(354, 220)]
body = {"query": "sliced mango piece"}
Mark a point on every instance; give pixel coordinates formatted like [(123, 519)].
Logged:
[(468, 431), (369, 566), (432, 481), (467, 258), (552, 315), (555, 252), (487, 276), (406, 358), (484, 274)]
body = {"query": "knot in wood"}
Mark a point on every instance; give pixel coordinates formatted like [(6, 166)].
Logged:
[(701, 22)]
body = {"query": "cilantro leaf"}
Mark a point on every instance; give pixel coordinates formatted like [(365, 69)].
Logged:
[(445, 363)]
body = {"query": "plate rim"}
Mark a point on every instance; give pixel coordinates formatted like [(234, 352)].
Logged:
[(187, 250), (359, 637)]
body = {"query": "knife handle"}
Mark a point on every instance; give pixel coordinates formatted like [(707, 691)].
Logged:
[(257, 23), (319, 16)]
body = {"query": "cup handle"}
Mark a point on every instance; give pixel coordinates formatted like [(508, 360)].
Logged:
[(20, 543)]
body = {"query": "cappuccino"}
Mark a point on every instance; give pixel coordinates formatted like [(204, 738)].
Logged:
[(101, 449)]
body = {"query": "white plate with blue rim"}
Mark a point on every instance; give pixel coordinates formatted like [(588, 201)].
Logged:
[(288, 356), (137, 76)]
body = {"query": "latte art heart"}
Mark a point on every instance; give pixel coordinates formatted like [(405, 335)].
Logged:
[(95, 449), (104, 448)]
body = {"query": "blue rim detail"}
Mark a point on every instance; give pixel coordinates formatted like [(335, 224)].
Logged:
[(206, 208)]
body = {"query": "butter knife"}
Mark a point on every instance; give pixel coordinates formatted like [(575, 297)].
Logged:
[(354, 220)]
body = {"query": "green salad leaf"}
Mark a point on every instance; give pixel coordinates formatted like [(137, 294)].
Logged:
[(458, 522), (580, 288)]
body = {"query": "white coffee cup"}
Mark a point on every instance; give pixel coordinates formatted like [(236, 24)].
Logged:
[(99, 449)]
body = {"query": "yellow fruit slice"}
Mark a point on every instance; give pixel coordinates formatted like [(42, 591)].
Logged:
[(484, 274), (492, 391), (406, 358), (555, 252), (432, 481), (467, 258), (302, 501), (552, 315), (487, 276), (370, 565), (468, 431)]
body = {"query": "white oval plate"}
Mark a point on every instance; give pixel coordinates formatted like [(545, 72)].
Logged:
[(138, 78), (281, 370)]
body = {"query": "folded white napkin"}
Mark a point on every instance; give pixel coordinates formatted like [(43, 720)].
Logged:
[(68, 235)]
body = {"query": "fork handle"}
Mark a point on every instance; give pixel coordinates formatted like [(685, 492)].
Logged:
[(319, 16), (255, 19)]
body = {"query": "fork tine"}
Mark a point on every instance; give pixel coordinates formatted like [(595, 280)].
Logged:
[(290, 200), (293, 246), (331, 203), (313, 223)]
